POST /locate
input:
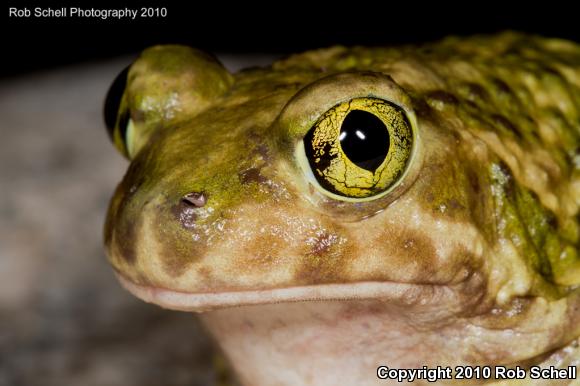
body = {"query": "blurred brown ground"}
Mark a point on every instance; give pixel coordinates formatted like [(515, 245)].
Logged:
[(64, 319)]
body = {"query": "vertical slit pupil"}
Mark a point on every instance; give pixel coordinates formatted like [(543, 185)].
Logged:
[(364, 139)]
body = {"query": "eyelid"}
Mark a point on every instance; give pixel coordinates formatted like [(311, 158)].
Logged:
[(311, 102), (306, 107)]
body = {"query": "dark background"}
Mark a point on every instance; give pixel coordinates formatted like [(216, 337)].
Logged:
[(64, 319), (276, 27)]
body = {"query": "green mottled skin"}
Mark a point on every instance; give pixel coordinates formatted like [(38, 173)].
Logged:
[(487, 213)]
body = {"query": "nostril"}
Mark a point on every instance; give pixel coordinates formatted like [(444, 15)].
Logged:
[(197, 199)]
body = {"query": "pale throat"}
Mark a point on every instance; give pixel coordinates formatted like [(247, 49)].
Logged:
[(315, 343)]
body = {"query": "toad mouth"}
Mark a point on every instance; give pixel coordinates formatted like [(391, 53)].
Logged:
[(402, 293)]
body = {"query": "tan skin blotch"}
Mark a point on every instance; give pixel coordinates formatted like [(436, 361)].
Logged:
[(466, 253)]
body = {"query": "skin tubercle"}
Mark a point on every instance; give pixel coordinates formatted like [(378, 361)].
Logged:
[(467, 255)]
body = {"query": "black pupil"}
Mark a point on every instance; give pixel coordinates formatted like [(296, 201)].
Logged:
[(364, 139), (113, 100)]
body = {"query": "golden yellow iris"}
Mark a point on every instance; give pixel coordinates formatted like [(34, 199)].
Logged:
[(332, 167)]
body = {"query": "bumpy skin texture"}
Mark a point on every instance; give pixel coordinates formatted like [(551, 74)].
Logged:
[(471, 259)]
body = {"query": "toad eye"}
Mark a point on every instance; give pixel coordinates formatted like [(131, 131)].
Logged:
[(359, 149), (116, 114)]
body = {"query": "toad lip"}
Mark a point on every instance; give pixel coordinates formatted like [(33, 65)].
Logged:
[(400, 293)]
